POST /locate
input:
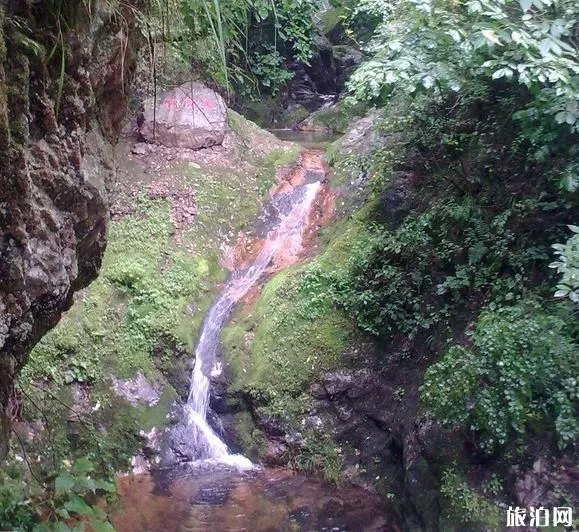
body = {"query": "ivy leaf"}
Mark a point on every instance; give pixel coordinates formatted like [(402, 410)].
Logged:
[(60, 527), (77, 505), (63, 483), (561, 293), (492, 36), (100, 526), (105, 485), (83, 465), (63, 512)]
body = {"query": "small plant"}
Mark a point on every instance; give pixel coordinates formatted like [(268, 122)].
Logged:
[(70, 503), (567, 265), (320, 455), (466, 505)]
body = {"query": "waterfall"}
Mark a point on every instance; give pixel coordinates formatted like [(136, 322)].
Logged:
[(286, 236)]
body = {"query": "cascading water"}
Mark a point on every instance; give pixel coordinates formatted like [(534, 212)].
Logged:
[(287, 235)]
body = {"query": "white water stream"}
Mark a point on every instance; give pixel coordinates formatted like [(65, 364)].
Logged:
[(287, 237)]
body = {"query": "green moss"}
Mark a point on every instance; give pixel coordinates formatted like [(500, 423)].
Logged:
[(278, 350), (462, 503), (290, 118), (261, 111), (140, 299), (156, 416), (331, 18), (252, 439)]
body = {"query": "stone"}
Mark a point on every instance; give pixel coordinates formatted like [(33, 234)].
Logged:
[(190, 116), (338, 382), (346, 58), (140, 148), (137, 390), (276, 453)]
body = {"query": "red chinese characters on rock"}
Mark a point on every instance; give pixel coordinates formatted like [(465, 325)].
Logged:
[(189, 103)]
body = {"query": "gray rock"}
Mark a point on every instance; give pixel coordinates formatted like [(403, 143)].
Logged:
[(137, 390), (140, 148), (190, 116), (276, 453), (338, 382)]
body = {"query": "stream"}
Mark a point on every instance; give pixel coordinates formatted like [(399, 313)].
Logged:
[(210, 488)]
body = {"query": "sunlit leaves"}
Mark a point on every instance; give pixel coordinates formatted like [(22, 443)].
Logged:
[(567, 266), (437, 45)]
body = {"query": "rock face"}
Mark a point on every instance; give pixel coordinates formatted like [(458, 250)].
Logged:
[(55, 155), (190, 116)]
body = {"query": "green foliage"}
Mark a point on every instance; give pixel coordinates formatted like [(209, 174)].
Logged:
[(278, 349), (437, 46), (522, 367), (70, 504), (567, 265), (246, 43), (403, 280), (269, 68), (465, 505), (320, 454), (16, 509)]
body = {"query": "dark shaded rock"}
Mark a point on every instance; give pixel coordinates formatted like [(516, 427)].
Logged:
[(190, 116), (317, 391), (346, 60), (399, 198), (421, 484)]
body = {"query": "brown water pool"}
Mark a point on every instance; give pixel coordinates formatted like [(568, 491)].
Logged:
[(259, 501)]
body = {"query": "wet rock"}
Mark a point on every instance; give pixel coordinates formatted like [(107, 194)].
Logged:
[(421, 485), (276, 453), (137, 390), (190, 116), (346, 60), (291, 116)]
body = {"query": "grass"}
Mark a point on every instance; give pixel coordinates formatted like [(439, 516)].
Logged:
[(141, 298)]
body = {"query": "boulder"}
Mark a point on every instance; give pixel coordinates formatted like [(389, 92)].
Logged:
[(190, 116)]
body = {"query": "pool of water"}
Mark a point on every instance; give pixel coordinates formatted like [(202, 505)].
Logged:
[(309, 139), (259, 501)]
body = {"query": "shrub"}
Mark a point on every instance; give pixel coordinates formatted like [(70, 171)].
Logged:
[(522, 366)]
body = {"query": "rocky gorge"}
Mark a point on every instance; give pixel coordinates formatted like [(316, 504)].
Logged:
[(347, 324)]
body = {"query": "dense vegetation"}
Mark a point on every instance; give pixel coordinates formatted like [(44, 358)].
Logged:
[(242, 46), (477, 124), (493, 117)]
